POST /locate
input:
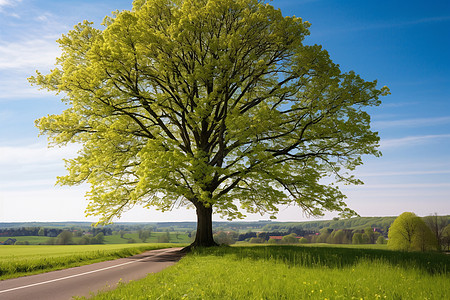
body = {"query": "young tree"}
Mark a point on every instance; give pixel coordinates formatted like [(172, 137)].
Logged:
[(437, 224), (41, 231), (381, 240), (303, 240), (446, 238), (144, 234), (324, 235), (410, 233), (357, 238), (369, 236), (164, 238), (213, 104), (290, 239), (99, 238), (64, 238), (337, 237)]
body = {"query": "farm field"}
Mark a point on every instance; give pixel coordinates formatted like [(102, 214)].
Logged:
[(174, 237), (16, 261), (295, 272)]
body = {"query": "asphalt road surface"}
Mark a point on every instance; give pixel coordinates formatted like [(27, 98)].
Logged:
[(85, 280)]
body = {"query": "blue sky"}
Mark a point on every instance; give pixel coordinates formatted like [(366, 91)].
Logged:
[(403, 44)]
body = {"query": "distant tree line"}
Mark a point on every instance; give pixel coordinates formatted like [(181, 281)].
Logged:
[(325, 235), (51, 232)]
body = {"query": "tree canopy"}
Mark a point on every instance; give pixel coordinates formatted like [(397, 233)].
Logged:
[(215, 104), (410, 233)]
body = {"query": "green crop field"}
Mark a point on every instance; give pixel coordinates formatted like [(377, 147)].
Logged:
[(109, 239), (174, 238), (295, 272), (16, 261)]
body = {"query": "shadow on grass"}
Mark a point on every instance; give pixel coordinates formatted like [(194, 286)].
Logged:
[(331, 257)]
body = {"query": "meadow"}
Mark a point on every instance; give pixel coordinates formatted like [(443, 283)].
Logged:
[(133, 237), (295, 272), (16, 261)]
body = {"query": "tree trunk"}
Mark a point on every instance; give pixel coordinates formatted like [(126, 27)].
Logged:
[(204, 235)]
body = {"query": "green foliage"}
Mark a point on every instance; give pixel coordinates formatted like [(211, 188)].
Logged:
[(18, 243), (98, 239), (357, 238), (303, 241), (164, 238), (410, 233), (289, 239), (381, 240), (437, 225), (446, 238), (324, 235), (144, 234), (369, 236), (256, 240), (272, 241), (357, 223), (64, 238), (204, 103), (289, 272), (338, 237), (225, 238)]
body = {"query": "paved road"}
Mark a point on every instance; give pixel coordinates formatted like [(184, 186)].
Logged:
[(81, 281)]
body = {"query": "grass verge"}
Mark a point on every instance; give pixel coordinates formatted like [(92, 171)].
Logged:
[(17, 261), (289, 272)]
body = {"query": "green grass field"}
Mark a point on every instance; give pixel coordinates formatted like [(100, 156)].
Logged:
[(33, 240), (110, 239), (16, 261), (174, 238), (295, 272)]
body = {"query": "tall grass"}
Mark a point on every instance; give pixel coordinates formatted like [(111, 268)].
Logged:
[(16, 261), (336, 257), (295, 273)]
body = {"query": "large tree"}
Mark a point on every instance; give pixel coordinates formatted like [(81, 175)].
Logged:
[(214, 104), (409, 232)]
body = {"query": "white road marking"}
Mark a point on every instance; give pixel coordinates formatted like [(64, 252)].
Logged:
[(68, 277)]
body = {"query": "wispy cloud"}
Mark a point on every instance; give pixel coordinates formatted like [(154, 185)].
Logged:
[(17, 87), (404, 173), (403, 186), (20, 60), (32, 166), (419, 122), (9, 2), (411, 140), (28, 55), (35, 154)]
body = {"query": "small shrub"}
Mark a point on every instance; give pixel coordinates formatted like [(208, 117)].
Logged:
[(21, 243), (303, 241), (381, 240)]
